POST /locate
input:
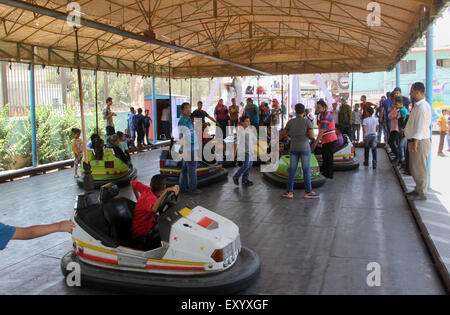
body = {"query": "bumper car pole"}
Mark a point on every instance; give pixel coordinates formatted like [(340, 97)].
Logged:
[(88, 179)]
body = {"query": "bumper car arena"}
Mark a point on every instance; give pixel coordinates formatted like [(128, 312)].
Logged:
[(128, 83)]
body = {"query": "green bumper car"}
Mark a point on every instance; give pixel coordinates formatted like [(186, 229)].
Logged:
[(108, 169), (280, 176)]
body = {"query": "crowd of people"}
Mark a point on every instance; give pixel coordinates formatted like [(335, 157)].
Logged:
[(404, 123)]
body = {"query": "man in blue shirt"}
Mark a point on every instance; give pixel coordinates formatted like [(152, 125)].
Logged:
[(386, 108), (190, 146), (8, 232), (406, 101), (131, 123)]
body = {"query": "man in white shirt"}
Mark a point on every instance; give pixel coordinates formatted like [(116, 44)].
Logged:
[(418, 133), (108, 115), (165, 122)]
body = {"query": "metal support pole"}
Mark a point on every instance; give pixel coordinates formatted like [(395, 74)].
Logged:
[(33, 117), (96, 103), (4, 82), (430, 64), (155, 118), (170, 96), (257, 89), (282, 101), (397, 75), (88, 180), (351, 97), (190, 91)]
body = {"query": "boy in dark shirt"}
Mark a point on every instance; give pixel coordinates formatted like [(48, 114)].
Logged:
[(144, 229)]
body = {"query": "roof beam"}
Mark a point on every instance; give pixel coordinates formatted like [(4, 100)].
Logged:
[(106, 28)]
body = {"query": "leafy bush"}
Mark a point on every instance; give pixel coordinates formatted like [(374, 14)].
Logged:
[(66, 122), (6, 152), (48, 138)]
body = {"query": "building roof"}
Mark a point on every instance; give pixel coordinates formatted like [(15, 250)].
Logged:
[(210, 38)]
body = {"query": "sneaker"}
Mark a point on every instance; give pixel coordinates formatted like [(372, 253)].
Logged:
[(441, 154), (235, 180), (311, 195), (412, 193), (366, 163), (247, 183), (288, 195), (76, 176)]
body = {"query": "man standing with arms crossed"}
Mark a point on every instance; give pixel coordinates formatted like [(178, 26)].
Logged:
[(418, 133)]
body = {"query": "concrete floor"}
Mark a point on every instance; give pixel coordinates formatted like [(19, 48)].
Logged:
[(305, 246)]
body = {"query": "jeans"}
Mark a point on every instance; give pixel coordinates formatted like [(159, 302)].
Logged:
[(148, 241), (394, 143), (441, 141), (188, 175), (305, 157), (147, 129), (403, 149), (244, 170), (383, 129), (110, 130), (448, 142), (222, 125), (356, 132), (140, 137), (370, 143), (328, 156), (166, 129)]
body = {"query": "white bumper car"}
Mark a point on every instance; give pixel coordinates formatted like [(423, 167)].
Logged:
[(200, 251)]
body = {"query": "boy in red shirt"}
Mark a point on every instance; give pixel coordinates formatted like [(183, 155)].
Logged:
[(144, 229)]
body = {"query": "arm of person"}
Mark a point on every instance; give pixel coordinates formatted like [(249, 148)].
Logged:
[(36, 231), (415, 145), (212, 119), (311, 134), (319, 137), (157, 204)]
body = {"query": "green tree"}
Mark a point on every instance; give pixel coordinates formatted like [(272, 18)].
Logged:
[(66, 122), (48, 139), (6, 152)]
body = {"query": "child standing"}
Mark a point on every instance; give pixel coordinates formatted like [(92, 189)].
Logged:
[(443, 131), (370, 130), (356, 124), (77, 149), (246, 141)]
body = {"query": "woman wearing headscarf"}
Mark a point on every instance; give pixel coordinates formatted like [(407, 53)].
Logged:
[(222, 116)]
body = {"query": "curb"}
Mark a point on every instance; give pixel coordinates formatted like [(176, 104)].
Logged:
[(429, 243)]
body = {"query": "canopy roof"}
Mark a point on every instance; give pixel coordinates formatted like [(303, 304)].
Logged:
[(210, 38)]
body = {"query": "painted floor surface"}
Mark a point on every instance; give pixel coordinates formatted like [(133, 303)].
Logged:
[(305, 246)]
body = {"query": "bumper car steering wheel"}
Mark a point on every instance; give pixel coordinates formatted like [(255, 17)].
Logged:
[(169, 201)]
